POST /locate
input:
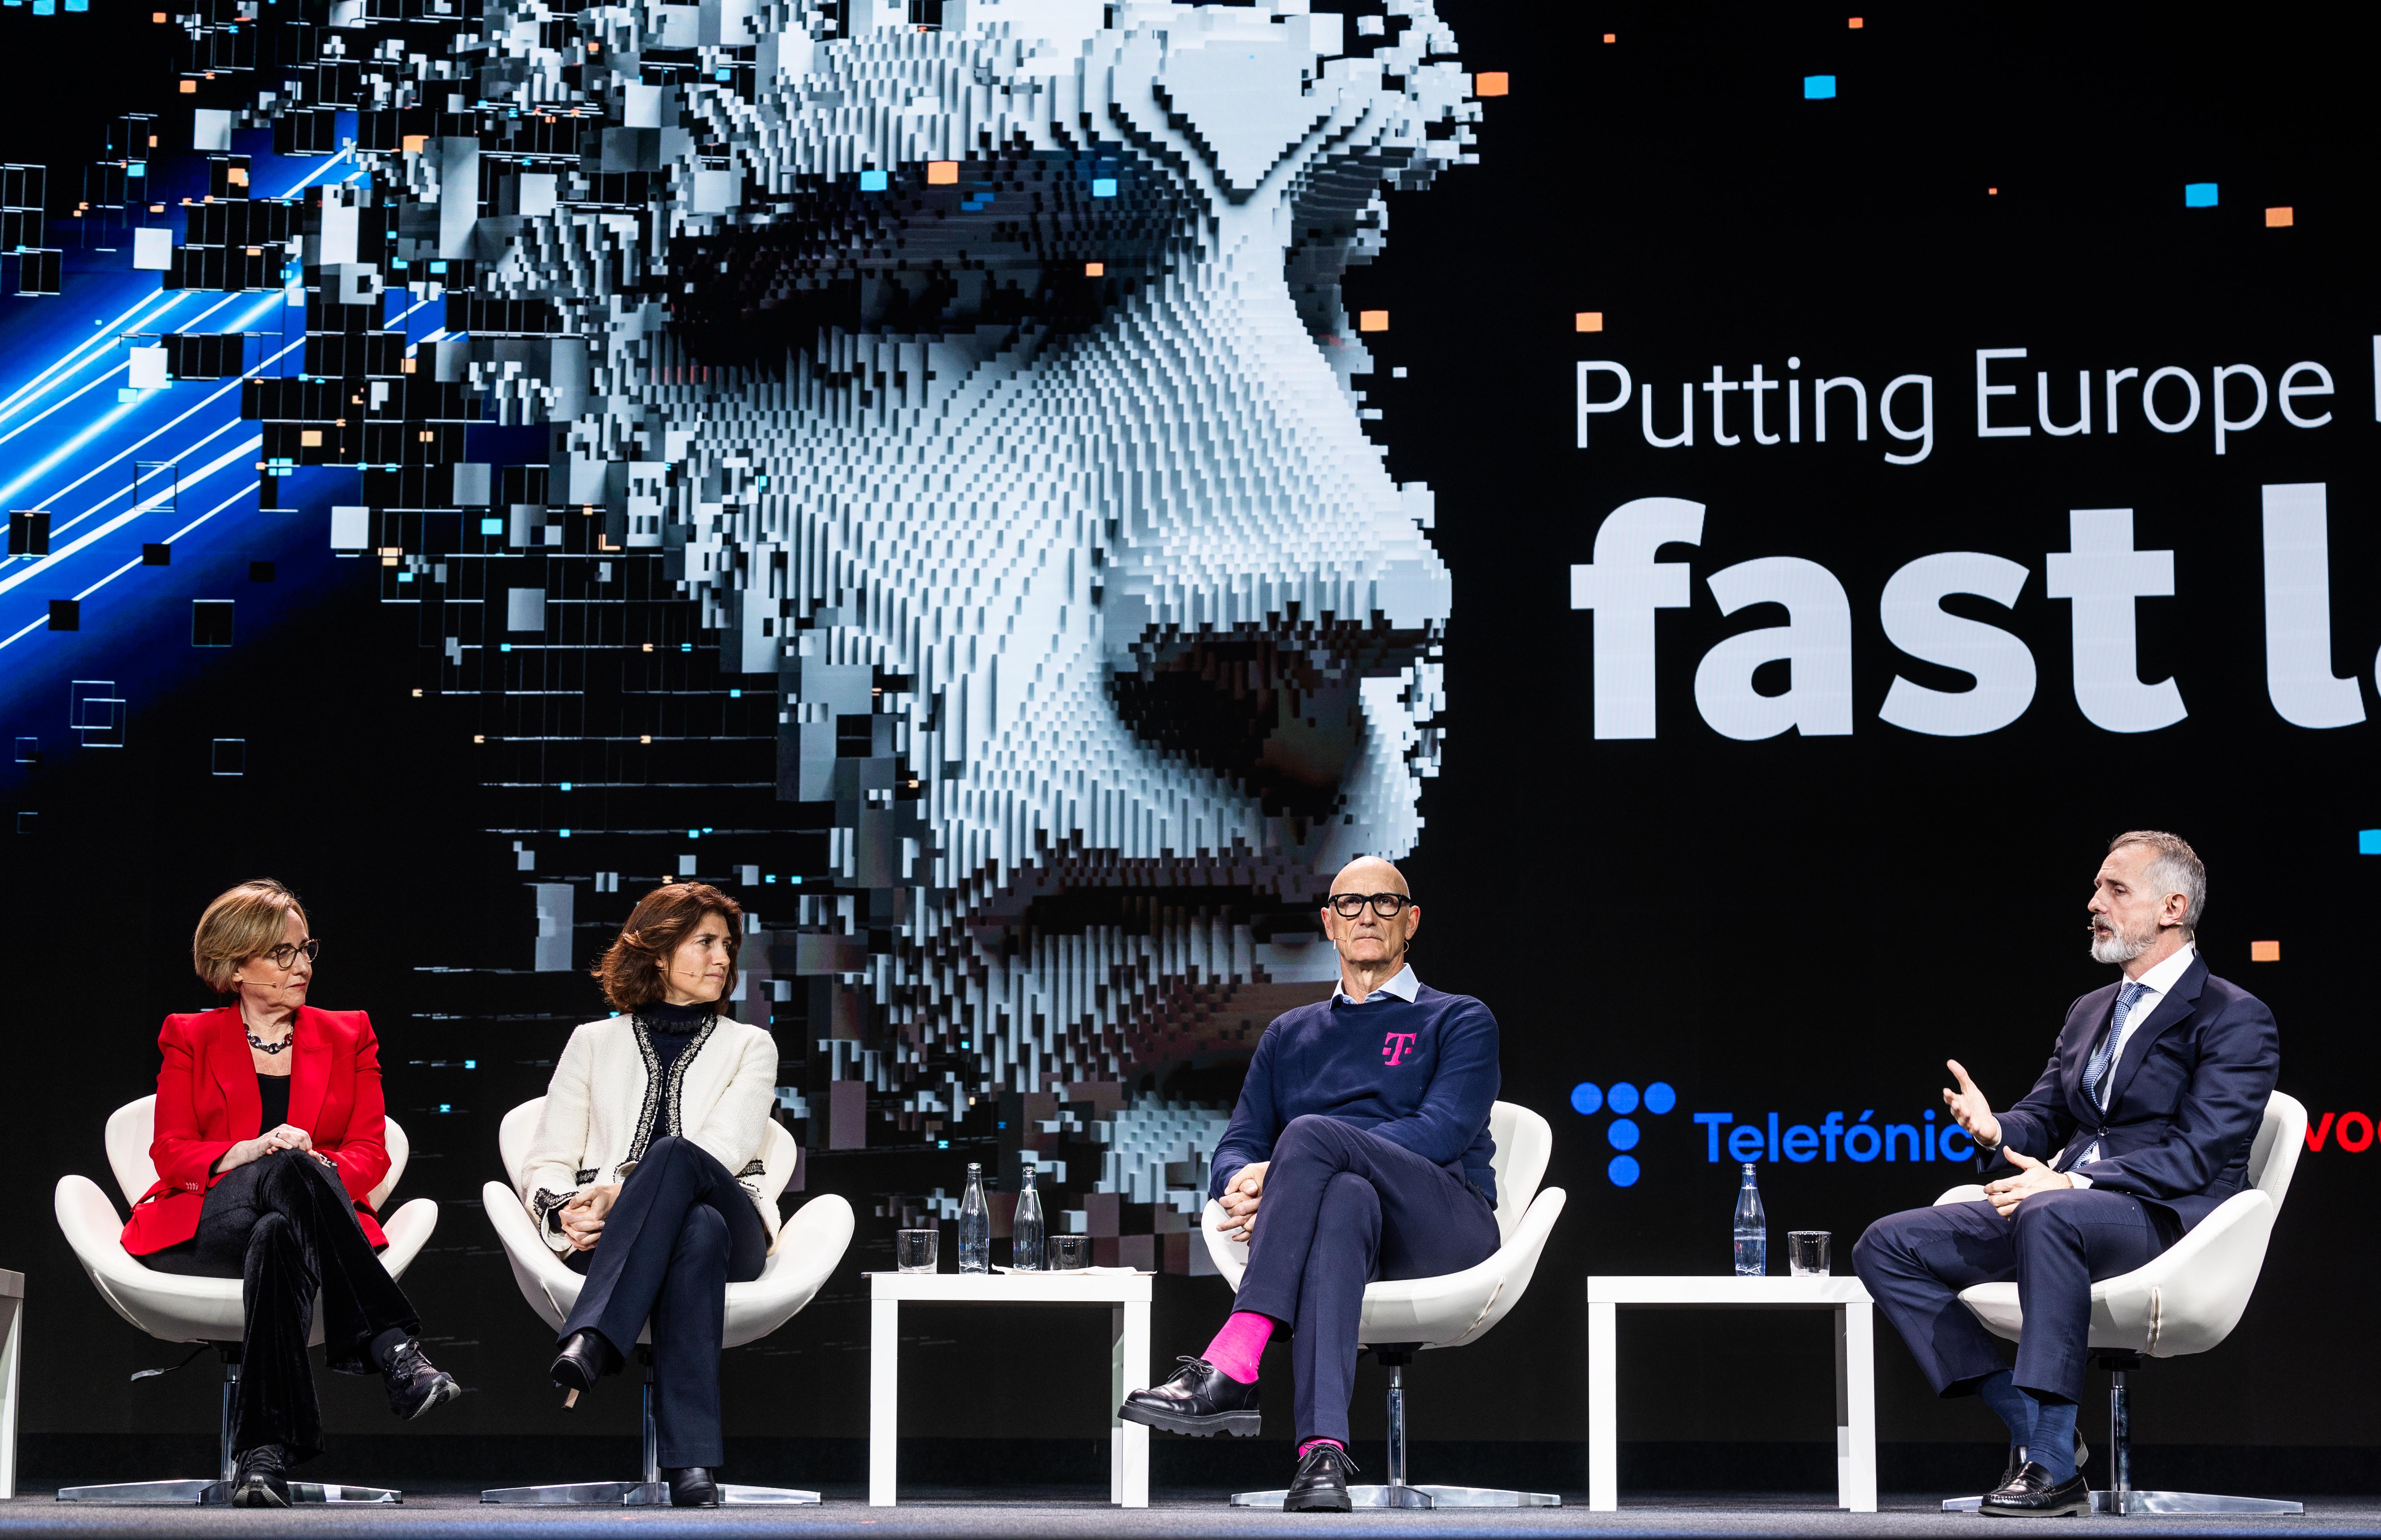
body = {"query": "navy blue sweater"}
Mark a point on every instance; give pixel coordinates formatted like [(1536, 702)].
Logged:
[(1422, 1075)]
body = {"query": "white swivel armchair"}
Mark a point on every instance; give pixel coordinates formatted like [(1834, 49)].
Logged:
[(1408, 1316), (2187, 1301), (173, 1307), (809, 1246)]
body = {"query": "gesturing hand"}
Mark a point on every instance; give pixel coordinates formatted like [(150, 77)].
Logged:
[(1239, 1200), (1968, 1105), (2032, 1177)]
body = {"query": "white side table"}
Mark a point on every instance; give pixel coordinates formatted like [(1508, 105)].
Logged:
[(1855, 1367), (1125, 1294), (12, 1344)]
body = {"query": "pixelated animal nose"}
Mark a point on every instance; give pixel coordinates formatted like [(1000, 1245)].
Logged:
[(1242, 100), (1414, 594)]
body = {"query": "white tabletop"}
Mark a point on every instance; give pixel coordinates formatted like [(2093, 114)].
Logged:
[(1085, 1288), (1725, 1289), (12, 1285)]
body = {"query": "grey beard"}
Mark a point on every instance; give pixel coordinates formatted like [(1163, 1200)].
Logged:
[(2116, 948)]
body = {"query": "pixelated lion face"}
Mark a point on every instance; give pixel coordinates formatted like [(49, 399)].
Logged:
[(992, 380)]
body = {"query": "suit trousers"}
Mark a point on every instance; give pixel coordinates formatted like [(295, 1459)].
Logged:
[(682, 1230), (285, 1227), (1341, 1208), (2056, 1245)]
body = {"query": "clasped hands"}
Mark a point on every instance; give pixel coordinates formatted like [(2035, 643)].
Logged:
[(1975, 1115), (582, 1217), (1239, 1200), (288, 1136)]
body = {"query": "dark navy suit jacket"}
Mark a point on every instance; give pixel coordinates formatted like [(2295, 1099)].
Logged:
[(2185, 1099)]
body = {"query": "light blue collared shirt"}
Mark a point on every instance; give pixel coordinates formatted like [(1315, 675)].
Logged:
[(1405, 986)]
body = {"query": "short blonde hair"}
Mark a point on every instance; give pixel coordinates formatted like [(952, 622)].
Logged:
[(242, 923)]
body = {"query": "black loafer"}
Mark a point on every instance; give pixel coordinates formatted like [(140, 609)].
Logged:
[(2033, 1495), (2017, 1462), (1321, 1485), (261, 1479), (1201, 1400), (415, 1385), (584, 1358), (691, 1487)]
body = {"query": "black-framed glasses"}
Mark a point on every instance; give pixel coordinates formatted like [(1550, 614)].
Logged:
[(1388, 906), (285, 956)]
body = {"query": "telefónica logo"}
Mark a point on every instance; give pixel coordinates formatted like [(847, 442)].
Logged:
[(1624, 1099)]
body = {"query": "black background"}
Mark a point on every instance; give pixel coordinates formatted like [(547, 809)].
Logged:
[(1798, 925)]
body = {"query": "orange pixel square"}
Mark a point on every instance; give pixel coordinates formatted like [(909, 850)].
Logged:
[(942, 173), (2264, 951), (1095, 270), (1588, 321), (1856, 24), (2278, 219), (1372, 320), (1612, 37), (1489, 82)]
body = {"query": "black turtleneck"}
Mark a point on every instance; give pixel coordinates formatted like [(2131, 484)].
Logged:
[(671, 1028)]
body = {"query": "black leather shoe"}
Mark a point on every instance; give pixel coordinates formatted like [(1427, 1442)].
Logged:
[(261, 1479), (2032, 1496), (691, 1487), (1201, 1400), (415, 1385), (1321, 1485), (585, 1358), (2017, 1462)]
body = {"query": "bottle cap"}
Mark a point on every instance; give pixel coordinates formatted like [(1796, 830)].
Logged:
[(974, 1166)]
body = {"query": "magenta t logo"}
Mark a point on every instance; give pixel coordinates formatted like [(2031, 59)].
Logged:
[(1395, 1047)]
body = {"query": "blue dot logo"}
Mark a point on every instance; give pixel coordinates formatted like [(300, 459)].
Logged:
[(1623, 1099)]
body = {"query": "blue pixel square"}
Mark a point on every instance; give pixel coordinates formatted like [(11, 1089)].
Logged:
[(2368, 842), (1818, 88), (1104, 187), (2199, 195), (492, 526), (873, 181)]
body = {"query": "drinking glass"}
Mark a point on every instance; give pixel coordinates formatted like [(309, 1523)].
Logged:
[(1806, 1253), (1070, 1253), (914, 1250)]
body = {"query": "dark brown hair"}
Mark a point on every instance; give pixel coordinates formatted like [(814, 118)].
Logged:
[(630, 969)]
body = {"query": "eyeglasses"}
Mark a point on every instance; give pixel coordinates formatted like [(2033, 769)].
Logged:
[(1388, 906), (285, 956)]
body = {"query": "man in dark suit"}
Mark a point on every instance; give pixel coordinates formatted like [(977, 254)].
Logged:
[(2137, 1129)]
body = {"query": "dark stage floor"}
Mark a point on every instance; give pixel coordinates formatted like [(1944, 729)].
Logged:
[(955, 1514)]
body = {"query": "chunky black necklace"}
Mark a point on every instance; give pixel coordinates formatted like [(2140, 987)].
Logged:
[(263, 1047)]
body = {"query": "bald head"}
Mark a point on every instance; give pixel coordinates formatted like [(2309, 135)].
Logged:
[(1370, 874)]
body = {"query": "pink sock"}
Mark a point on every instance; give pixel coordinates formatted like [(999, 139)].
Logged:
[(1238, 1347), (1310, 1444)]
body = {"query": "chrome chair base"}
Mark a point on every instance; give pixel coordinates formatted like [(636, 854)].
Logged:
[(634, 1494), (1400, 1495), (2120, 1503), (216, 1493)]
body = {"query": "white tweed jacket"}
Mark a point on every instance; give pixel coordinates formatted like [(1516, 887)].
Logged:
[(604, 1108)]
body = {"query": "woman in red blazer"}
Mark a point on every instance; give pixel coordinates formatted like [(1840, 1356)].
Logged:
[(269, 1137)]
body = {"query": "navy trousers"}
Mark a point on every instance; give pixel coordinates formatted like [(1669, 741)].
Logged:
[(1342, 1207), (2056, 1246), (679, 1233)]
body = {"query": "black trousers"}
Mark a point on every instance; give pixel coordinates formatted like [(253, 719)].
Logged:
[(285, 1227), (2056, 1245), (1341, 1207), (679, 1233)]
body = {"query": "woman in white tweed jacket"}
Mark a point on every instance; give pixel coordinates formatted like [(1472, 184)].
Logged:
[(636, 1174)]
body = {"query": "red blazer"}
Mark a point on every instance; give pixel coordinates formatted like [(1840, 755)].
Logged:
[(207, 1103)]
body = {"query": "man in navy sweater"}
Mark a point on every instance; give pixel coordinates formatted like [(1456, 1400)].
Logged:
[(1360, 1150)]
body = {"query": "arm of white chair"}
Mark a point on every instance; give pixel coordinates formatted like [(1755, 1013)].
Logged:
[(1455, 1308), (1970, 1193), (2190, 1297), (175, 1307), (409, 1229), (549, 1286), (1230, 1257), (809, 1246)]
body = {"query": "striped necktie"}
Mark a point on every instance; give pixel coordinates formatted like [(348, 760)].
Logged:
[(2097, 1070)]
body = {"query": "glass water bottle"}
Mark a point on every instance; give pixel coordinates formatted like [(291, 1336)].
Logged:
[(1752, 1230), (1025, 1251), (975, 1224)]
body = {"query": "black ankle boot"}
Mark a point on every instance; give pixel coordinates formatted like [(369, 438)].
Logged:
[(261, 1479), (691, 1487), (584, 1358)]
